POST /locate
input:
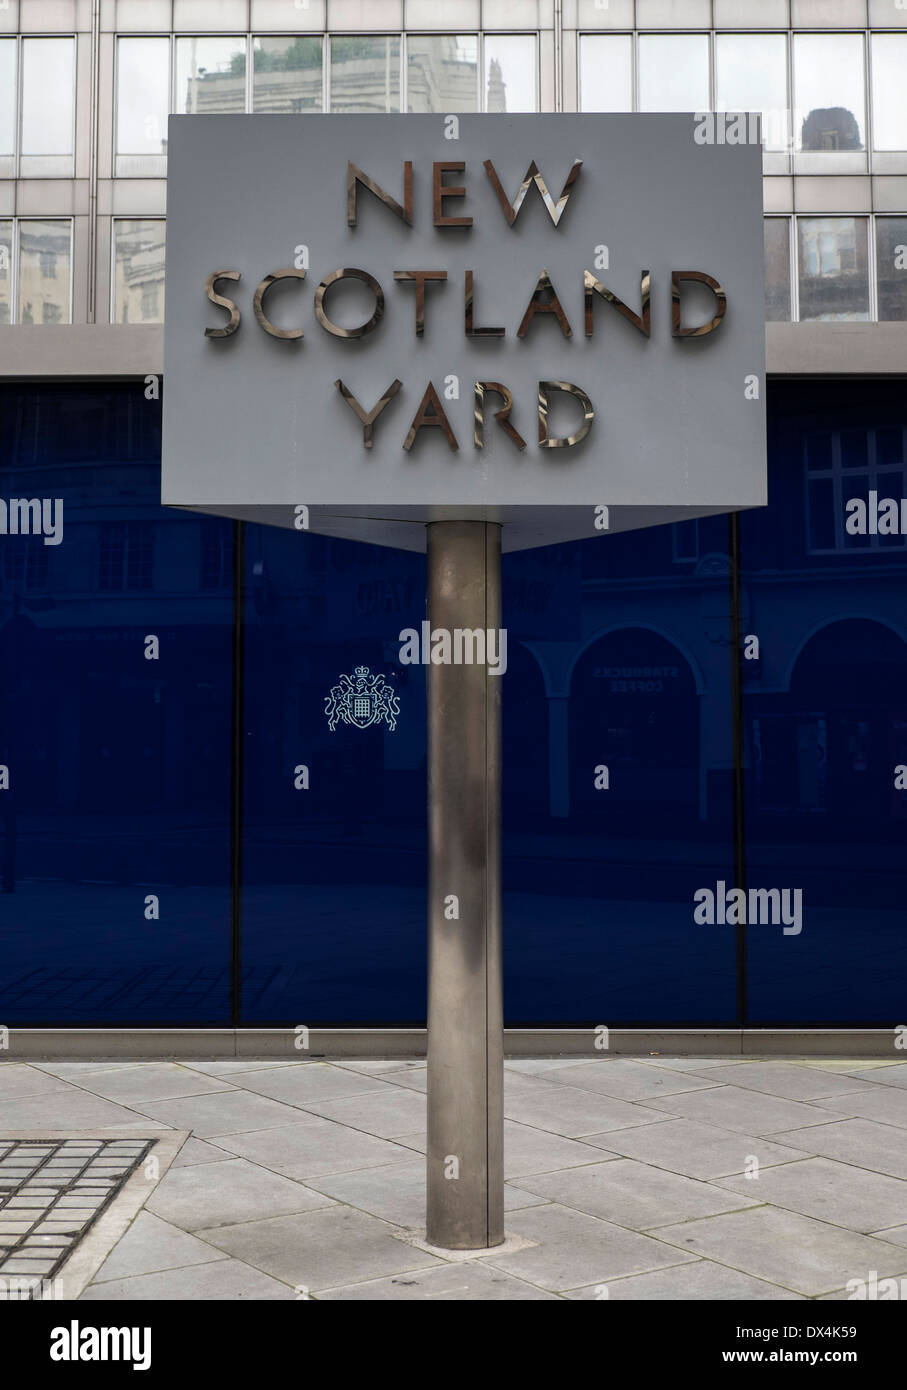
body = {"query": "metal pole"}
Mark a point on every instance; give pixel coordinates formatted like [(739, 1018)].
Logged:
[(465, 1155)]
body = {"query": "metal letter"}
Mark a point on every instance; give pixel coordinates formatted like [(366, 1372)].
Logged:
[(502, 416), (267, 282), (566, 441), (641, 321), (471, 330), (555, 210), (223, 302), (418, 278), (436, 417), (349, 273), (355, 176), (538, 305), (368, 419), (720, 298), (440, 191)]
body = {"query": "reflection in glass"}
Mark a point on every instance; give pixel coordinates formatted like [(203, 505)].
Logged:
[(829, 98), (47, 96), (210, 75), (6, 270), (776, 232), (889, 106), (511, 66), (365, 73), (138, 290), (606, 72), (7, 96), (833, 268), (287, 74), (143, 95), (891, 266), (674, 72), (751, 75), (44, 271), (442, 73)]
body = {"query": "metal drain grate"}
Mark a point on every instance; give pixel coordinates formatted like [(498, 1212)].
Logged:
[(51, 1192)]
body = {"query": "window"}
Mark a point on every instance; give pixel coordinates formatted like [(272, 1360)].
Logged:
[(751, 75), (125, 555), (44, 271), (674, 72), (777, 269), (6, 271), (685, 541), (606, 72), (511, 67), (143, 102), (138, 271), (442, 73), (891, 266), (7, 104), (216, 555), (844, 466), (47, 106), (889, 107), (287, 74), (25, 563), (210, 75), (829, 97), (833, 268), (365, 73)]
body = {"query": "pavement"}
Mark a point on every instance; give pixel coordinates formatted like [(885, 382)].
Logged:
[(626, 1178)]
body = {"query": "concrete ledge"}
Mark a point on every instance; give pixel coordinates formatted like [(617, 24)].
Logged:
[(836, 349), (99, 1044), (133, 350)]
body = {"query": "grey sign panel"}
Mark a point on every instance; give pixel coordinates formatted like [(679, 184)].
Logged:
[(255, 426)]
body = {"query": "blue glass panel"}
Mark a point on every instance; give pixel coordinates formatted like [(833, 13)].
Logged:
[(825, 709), (619, 659), (334, 873), (119, 765)]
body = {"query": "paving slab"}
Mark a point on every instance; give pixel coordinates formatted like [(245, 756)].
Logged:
[(390, 1111), (888, 1104), (396, 1192), (69, 1109), (312, 1147), (570, 1110), (750, 1112), (864, 1143), (319, 1249), (695, 1150), (218, 1194), (17, 1079), (830, 1191), (197, 1151), (797, 1252), (574, 1249), (233, 1111), (469, 1282), (151, 1245), (215, 1281), (634, 1194), (314, 1081), (529, 1150), (787, 1080), (703, 1279), (153, 1081), (628, 1079)]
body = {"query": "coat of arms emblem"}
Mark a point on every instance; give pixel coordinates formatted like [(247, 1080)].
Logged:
[(362, 699)]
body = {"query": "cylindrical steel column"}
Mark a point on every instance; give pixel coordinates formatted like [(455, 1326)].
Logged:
[(465, 1156)]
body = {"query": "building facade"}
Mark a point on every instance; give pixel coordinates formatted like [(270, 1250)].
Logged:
[(184, 839)]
